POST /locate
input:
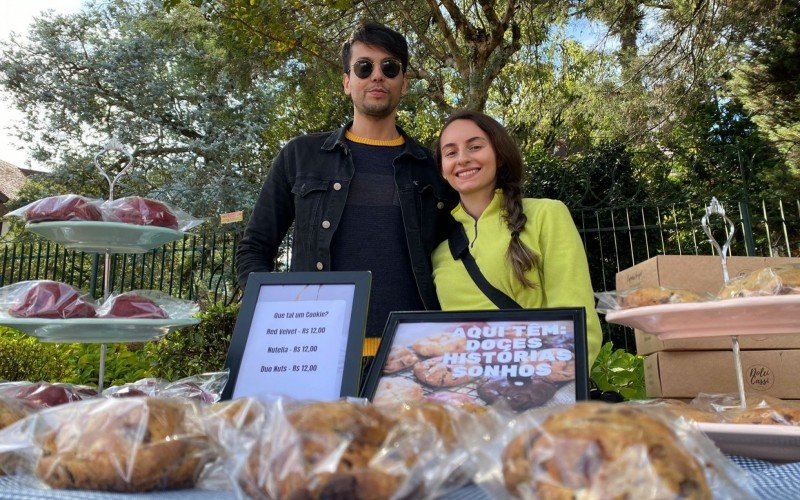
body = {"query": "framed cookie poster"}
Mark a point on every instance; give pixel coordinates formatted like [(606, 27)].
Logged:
[(520, 359), (299, 335)]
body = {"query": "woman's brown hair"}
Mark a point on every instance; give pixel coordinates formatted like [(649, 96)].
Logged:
[(509, 179)]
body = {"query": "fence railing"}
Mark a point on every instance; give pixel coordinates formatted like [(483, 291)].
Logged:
[(198, 267), (617, 238), (201, 266)]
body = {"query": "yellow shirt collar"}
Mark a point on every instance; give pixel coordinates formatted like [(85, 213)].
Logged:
[(373, 142), (496, 205)]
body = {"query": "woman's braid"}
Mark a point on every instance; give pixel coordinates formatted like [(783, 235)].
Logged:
[(521, 258)]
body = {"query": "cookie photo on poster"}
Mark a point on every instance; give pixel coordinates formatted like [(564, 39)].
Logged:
[(517, 360)]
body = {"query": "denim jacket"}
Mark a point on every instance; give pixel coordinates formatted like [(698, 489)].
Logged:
[(308, 184)]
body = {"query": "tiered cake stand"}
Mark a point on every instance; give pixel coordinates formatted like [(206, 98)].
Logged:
[(778, 314), (107, 238)]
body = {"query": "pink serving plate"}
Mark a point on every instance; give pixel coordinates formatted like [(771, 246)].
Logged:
[(777, 314)]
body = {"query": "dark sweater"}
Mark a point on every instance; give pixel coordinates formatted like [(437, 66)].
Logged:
[(370, 235)]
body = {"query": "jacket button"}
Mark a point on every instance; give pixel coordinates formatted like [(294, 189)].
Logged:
[(326, 224), (319, 266), (440, 205), (337, 186)]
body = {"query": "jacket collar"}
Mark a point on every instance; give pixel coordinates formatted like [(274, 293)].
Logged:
[(336, 138), (494, 206)]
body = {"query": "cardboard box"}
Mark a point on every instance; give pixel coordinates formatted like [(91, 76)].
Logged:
[(647, 343), (699, 273), (685, 374)]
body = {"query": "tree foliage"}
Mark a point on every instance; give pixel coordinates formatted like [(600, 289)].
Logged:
[(768, 82), (161, 85), (206, 91)]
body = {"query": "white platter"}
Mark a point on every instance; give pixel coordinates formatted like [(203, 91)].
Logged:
[(96, 330), (105, 237), (767, 442), (778, 314)]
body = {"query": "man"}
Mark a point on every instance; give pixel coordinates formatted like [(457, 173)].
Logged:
[(364, 197)]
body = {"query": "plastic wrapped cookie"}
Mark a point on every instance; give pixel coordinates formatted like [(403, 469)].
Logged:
[(651, 296), (777, 280), (123, 445), (337, 449), (38, 395), (147, 212), (11, 411), (597, 450), (45, 299), (681, 409), (140, 211), (67, 207)]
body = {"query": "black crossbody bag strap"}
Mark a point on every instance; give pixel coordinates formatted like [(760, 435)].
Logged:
[(459, 249)]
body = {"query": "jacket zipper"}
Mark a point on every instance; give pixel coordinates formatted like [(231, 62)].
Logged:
[(472, 243)]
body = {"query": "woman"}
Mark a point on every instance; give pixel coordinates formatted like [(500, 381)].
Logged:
[(527, 248)]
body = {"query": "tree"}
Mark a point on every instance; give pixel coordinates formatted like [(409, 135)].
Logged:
[(719, 151), (768, 80), (460, 46), (161, 85), (206, 91), (666, 56)]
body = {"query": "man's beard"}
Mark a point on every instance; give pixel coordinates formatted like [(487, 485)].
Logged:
[(377, 110)]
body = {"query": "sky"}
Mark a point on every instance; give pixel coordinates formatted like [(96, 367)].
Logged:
[(15, 17)]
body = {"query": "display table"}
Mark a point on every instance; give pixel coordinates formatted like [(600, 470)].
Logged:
[(769, 481)]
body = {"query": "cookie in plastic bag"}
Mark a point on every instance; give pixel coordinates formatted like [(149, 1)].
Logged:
[(597, 450), (340, 449), (776, 280), (45, 299), (124, 445), (67, 207)]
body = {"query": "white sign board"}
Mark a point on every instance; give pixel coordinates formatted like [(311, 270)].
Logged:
[(301, 340)]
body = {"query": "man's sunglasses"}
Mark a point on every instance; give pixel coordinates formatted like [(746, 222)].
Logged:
[(389, 67)]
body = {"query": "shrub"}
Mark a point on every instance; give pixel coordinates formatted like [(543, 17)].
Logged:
[(197, 349), (123, 364), (24, 358)]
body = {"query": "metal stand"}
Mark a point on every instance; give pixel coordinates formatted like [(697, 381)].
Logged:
[(737, 363), (106, 293), (716, 208), (112, 145)]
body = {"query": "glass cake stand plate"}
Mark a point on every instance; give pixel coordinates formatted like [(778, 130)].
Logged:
[(767, 442), (105, 237), (777, 314), (96, 330)]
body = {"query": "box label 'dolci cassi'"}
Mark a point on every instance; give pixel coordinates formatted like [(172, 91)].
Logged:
[(685, 374)]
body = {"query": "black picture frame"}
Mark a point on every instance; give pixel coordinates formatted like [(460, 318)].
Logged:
[(290, 285), (419, 325)]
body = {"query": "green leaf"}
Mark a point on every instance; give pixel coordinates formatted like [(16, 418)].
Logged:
[(620, 371)]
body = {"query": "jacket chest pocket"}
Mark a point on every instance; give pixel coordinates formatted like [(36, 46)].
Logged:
[(309, 197)]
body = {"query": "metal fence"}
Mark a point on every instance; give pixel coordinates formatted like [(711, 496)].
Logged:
[(201, 266), (198, 267)]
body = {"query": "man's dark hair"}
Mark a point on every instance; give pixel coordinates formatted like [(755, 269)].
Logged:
[(377, 35)]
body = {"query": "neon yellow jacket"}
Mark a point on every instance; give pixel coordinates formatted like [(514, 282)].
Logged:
[(561, 274)]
